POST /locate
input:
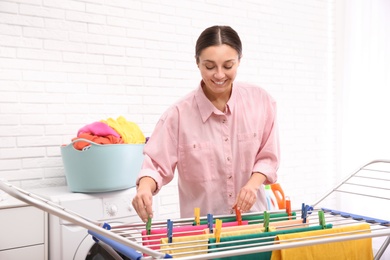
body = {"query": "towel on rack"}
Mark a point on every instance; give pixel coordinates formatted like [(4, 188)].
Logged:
[(153, 240), (195, 245), (252, 240), (360, 249), (279, 225), (253, 219)]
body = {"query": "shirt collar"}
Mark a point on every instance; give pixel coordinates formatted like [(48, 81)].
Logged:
[(206, 108)]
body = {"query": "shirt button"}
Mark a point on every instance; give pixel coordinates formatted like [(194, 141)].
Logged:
[(226, 139), (229, 177), (230, 195), (223, 121), (228, 158), (231, 211)]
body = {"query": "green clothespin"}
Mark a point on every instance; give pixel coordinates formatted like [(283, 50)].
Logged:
[(266, 221), (321, 217), (149, 225)]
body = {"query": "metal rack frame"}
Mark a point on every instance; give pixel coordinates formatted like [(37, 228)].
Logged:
[(368, 181)]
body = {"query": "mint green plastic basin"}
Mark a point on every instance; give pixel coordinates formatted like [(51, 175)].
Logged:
[(101, 168)]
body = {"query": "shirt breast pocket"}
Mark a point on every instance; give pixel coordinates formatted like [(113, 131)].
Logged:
[(197, 162), (248, 145)]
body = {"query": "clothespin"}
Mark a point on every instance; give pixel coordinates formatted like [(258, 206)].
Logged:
[(306, 210), (149, 225), (197, 216), (218, 227), (288, 207), (304, 213), (105, 226), (321, 218), (169, 230), (210, 222), (238, 216), (266, 221)]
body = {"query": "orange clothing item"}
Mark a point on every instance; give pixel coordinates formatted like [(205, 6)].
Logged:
[(109, 139)]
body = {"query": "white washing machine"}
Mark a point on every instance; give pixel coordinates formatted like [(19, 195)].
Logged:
[(71, 242)]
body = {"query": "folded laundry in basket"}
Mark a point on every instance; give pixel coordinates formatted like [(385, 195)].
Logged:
[(248, 241), (129, 131), (109, 139), (360, 249), (98, 129)]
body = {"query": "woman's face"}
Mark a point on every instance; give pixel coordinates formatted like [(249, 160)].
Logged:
[(218, 67)]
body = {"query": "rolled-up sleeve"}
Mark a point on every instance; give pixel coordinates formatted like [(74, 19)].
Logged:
[(160, 153), (268, 156)]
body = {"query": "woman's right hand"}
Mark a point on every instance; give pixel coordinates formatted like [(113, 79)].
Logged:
[(142, 202)]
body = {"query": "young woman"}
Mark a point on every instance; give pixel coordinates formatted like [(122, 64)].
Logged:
[(222, 137)]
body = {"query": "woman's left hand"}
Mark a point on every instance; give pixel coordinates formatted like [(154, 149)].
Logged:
[(246, 198)]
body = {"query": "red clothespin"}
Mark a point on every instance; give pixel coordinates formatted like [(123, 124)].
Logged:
[(288, 207), (238, 216)]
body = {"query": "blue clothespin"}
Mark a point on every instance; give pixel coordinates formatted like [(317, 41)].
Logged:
[(169, 230), (306, 210), (210, 222), (105, 226)]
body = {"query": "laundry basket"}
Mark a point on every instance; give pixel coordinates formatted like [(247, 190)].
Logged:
[(101, 168)]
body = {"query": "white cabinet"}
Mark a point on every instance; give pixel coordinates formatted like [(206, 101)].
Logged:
[(23, 231)]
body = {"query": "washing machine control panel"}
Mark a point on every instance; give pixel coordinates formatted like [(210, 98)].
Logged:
[(112, 210), (119, 206)]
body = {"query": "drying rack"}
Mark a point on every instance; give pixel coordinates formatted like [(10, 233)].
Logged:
[(370, 182)]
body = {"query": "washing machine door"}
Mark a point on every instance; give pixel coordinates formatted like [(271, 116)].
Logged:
[(90, 250)]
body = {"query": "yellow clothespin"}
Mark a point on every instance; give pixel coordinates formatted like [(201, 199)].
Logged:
[(197, 216), (218, 228)]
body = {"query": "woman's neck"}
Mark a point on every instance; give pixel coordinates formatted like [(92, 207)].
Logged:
[(219, 100)]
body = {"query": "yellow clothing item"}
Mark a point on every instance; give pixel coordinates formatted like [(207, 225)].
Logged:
[(360, 249), (129, 131), (198, 244)]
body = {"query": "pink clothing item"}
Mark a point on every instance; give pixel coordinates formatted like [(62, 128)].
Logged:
[(99, 129), (153, 240), (215, 152)]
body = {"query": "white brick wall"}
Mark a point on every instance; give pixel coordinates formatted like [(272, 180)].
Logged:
[(64, 64)]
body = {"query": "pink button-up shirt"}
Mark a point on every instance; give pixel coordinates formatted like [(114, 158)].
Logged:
[(215, 152)]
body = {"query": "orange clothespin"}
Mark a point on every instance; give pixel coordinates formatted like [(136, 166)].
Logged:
[(197, 216), (238, 216), (288, 207), (218, 228)]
